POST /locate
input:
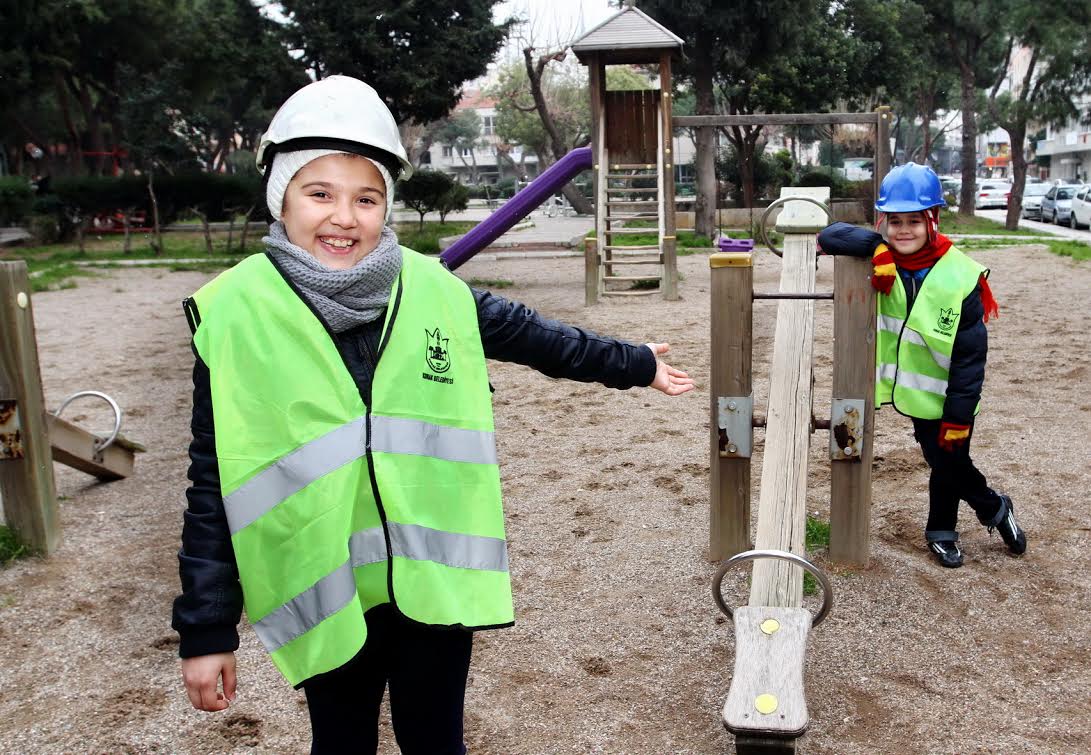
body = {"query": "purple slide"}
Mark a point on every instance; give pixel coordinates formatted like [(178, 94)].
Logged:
[(518, 207)]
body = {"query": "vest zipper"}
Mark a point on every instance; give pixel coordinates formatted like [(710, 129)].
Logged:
[(370, 459)]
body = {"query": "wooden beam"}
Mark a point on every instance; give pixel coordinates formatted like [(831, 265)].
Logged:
[(26, 484), (731, 323), (882, 147), (782, 507), (774, 119), (75, 447), (853, 378), (666, 195)]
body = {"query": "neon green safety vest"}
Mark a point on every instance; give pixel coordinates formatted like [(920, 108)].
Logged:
[(913, 355), (336, 505)]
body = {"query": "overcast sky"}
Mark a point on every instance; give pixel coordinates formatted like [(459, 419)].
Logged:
[(556, 21)]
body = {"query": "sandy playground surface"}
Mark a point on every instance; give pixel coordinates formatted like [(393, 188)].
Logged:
[(618, 647)]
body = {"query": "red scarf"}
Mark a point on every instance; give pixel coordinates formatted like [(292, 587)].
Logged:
[(927, 256)]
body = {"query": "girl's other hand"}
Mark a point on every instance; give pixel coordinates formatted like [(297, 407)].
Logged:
[(669, 380), (201, 675)]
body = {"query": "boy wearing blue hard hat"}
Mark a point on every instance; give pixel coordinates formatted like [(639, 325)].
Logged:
[(931, 347)]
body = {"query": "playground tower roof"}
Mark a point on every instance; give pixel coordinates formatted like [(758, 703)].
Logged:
[(627, 37)]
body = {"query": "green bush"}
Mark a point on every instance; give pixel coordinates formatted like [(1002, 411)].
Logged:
[(16, 198), (770, 172), (426, 191), (455, 199), (825, 177), (216, 195), (506, 188)]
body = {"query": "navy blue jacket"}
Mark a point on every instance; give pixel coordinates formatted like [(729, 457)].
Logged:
[(971, 347), (207, 612)]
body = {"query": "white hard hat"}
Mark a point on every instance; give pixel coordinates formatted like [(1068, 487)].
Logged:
[(338, 112)]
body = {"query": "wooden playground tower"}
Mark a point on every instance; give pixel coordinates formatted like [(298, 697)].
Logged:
[(633, 159)]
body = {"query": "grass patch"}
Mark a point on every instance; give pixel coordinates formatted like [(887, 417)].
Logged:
[(1077, 250), (817, 538), (490, 283), (426, 240), (55, 277), (951, 222), (10, 547)]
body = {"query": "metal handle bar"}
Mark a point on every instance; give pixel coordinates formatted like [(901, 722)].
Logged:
[(738, 558), (765, 217), (100, 444)]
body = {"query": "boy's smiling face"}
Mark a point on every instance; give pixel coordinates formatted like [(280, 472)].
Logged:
[(906, 232), (335, 208)]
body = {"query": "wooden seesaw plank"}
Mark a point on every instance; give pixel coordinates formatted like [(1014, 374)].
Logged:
[(75, 447)]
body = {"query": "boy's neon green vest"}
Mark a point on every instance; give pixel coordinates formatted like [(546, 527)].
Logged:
[(913, 355), (335, 504)]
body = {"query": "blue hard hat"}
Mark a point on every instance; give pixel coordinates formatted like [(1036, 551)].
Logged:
[(909, 188)]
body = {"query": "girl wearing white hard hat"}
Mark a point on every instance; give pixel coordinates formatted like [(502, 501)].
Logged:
[(345, 487)]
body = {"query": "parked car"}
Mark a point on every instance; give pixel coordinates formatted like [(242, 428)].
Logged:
[(1032, 199), (992, 194), (1080, 215), (1057, 203)]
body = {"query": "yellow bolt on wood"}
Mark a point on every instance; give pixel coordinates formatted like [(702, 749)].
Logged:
[(770, 626), (730, 259), (766, 704)]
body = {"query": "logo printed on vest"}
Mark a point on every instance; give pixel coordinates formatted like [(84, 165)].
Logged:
[(437, 356), (947, 320)]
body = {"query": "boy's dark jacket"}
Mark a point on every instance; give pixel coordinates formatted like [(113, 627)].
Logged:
[(210, 606), (968, 355)]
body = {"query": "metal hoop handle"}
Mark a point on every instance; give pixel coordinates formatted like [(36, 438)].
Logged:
[(772, 206), (100, 444), (738, 558)]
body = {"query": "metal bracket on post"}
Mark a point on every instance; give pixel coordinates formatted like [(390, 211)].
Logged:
[(11, 430), (735, 420), (846, 429)]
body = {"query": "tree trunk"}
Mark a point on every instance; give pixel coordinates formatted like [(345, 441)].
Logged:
[(1019, 176), (581, 204), (704, 222), (969, 143), (157, 233), (245, 228)]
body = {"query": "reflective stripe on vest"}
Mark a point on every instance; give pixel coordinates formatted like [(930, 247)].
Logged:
[(913, 350), (316, 484), (347, 443), (334, 591)]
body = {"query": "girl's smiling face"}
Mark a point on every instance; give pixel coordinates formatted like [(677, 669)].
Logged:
[(335, 208), (906, 232)]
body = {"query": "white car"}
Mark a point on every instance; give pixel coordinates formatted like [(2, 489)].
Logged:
[(1080, 217), (1032, 199), (992, 194)]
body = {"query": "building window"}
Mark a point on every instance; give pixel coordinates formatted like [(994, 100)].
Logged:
[(466, 151), (487, 126), (426, 158), (447, 151)]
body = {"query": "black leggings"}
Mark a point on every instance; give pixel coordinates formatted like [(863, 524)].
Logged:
[(426, 668), (954, 478)]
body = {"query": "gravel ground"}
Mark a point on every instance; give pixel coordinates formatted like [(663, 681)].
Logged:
[(618, 647)]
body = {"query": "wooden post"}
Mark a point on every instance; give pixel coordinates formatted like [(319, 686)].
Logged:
[(590, 271), (882, 147), (669, 241), (26, 484), (853, 378), (597, 79), (732, 348)]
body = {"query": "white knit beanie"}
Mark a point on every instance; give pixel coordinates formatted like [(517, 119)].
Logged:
[(287, 164)]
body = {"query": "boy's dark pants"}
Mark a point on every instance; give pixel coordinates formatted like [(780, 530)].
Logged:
[(426, 669), (954, 478)]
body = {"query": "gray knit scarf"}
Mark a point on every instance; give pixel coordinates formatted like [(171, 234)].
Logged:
[(344, 298)]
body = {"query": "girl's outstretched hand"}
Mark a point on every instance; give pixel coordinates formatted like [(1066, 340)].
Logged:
[(669, 380)]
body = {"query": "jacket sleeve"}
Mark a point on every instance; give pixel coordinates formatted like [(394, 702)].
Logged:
[(968, 356), (207, 613), (848, 240), (513, 332)]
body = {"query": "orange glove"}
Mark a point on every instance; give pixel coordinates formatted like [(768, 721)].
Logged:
[(952, 435), (883, 271)]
